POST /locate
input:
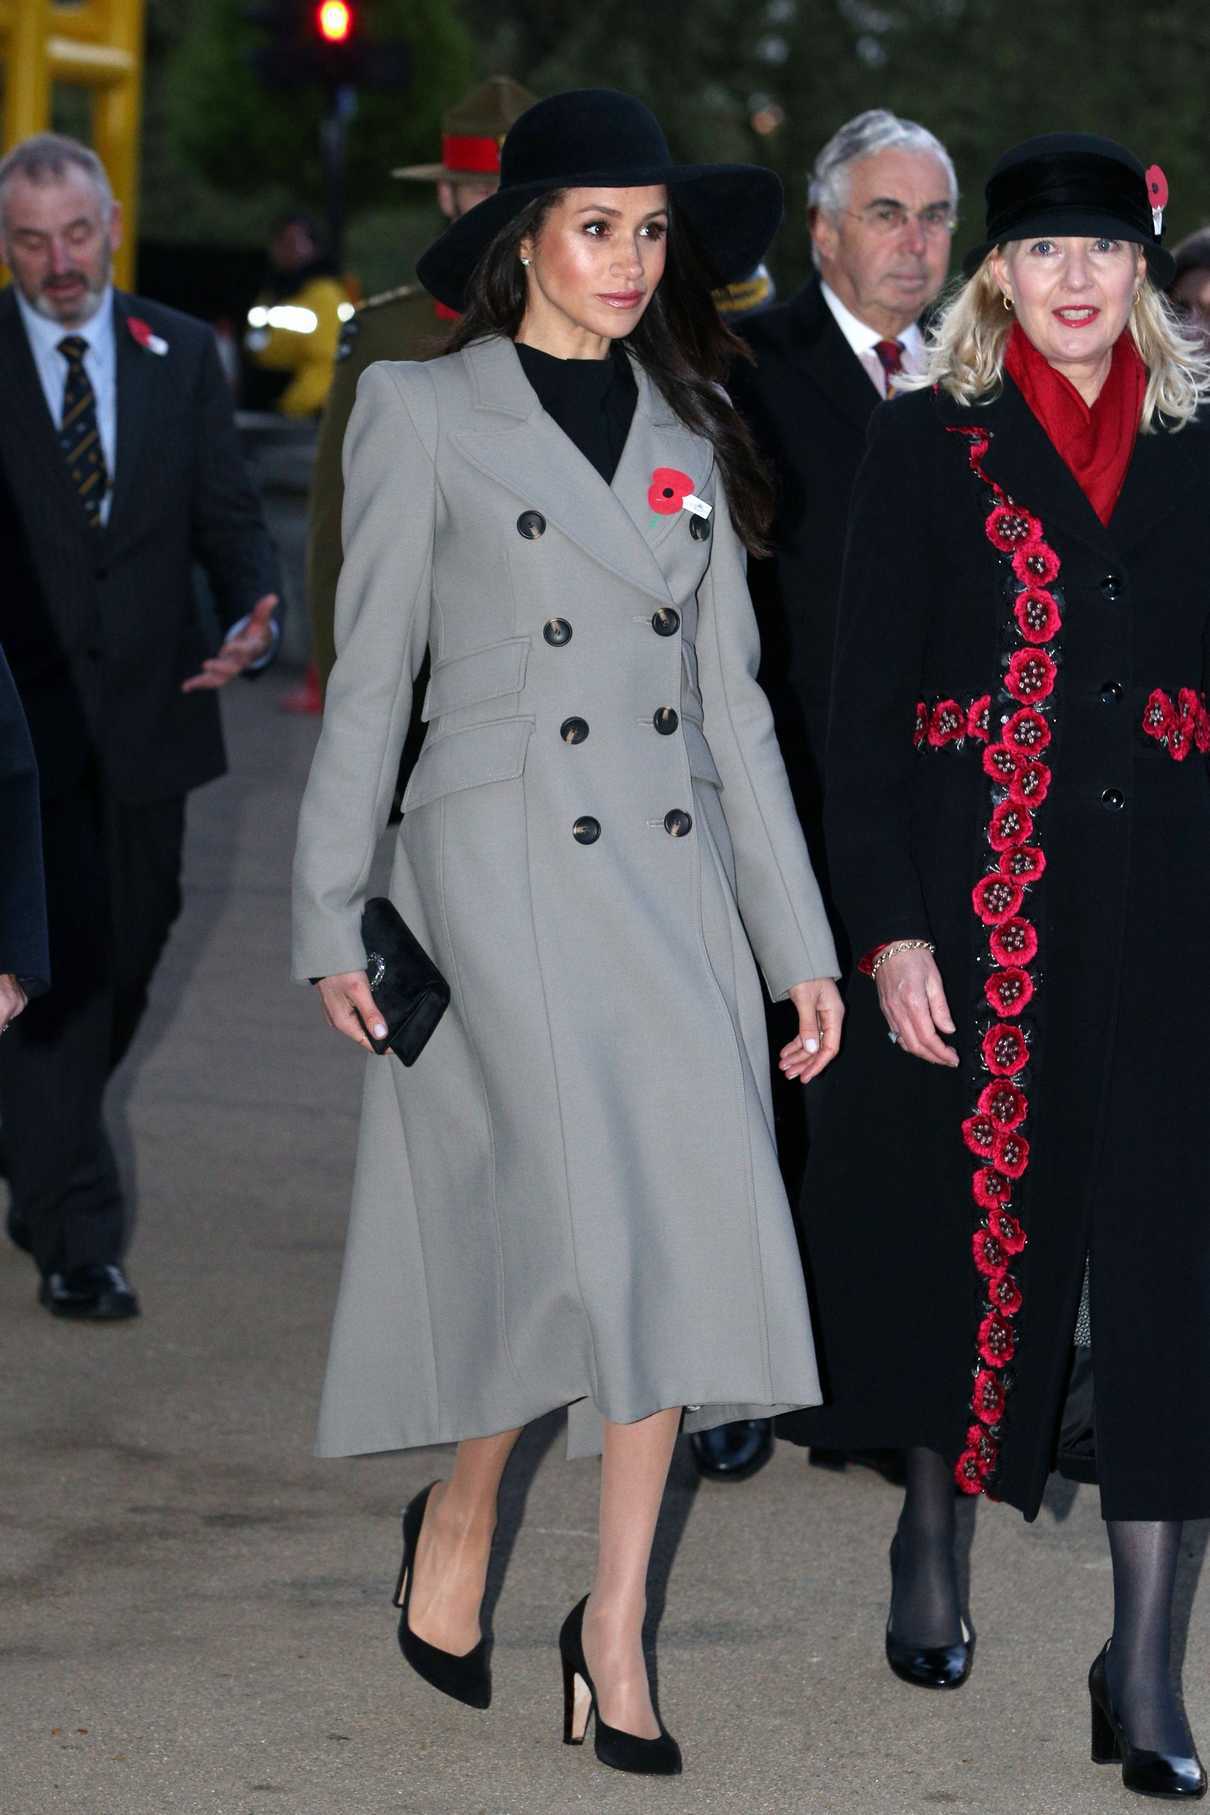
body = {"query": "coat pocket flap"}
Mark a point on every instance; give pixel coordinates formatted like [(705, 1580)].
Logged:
[(481, 674), (701, 763), (468, 759)]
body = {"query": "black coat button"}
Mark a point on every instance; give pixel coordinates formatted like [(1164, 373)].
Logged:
[(557, 631), (531, 524), (665, 622), (677, 823), (1113, 800), (586, 829), (699, 528), (573, 730), (1111, 692), (666, 718), (1111, 586)]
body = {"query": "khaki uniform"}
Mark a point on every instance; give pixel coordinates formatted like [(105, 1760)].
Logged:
[(399, 324)]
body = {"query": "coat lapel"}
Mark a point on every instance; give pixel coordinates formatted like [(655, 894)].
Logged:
[(524, 450), (825, 355), (135, 380)]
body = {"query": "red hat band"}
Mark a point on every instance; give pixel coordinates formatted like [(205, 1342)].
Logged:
[(472, 154)]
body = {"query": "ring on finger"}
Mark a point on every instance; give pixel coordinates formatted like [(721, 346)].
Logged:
[(893, 1037)]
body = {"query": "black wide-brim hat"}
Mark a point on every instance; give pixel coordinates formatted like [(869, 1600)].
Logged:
[(1074, 185), (590, 138)]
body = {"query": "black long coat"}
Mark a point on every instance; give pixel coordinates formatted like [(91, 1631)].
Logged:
[(932, 1331), (22, 889)]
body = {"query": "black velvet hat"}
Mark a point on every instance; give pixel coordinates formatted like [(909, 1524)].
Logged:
[(1076, 185), (598, 138)]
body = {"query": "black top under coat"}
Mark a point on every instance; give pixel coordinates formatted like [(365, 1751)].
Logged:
[(592, 400)]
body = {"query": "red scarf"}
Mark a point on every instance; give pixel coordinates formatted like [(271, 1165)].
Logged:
[(1096, 443)]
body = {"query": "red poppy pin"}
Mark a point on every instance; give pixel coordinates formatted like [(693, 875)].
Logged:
[(141, 332), (671, 491), (1157, 195)]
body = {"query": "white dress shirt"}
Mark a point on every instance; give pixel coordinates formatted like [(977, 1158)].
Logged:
[(863, 339), (100, 363)]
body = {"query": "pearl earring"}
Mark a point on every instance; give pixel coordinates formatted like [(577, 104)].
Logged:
[(524, 260)]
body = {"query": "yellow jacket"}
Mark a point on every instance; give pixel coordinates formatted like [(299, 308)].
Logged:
[(299, 334)]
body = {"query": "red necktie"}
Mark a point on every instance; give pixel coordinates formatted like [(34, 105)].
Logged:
[(890, 358)]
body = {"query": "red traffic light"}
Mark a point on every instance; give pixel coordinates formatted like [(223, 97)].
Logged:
[(334, 19)]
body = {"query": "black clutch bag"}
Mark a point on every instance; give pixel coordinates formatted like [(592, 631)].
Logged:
[(409, 991)]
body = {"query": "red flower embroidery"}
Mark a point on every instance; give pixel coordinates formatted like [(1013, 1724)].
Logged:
[(1201, 732), (1009, 529), (996, 898), (978, 718), (979, 1133), (990, 1188), (1004, 1104), (1024, 864), (1005, 1295), (987, 1400), (668, 490), (1009, 991), (1159, 715), (1037, 614), (1012, 1154), (996, 1342), (1004, 1050), (1010, 826), (1027, 731), (991, 1256), (967, 1472), (947, 723), (1016, 942), (1007, 1230), (1030, 785), (1001, 763), (1030, 676), (984, 1448), (921, 725), (1036, 564)]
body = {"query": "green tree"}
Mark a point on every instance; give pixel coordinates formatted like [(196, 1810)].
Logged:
[(237, 132)]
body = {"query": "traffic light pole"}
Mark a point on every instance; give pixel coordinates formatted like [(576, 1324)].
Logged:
[(333, 134)]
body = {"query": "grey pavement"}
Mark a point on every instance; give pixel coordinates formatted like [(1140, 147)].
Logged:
[(194, 1612)]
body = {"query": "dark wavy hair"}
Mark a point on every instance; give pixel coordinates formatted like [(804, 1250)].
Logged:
[(681, 342)]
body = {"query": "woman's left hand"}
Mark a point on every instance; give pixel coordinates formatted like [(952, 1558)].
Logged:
[(820, 1013)]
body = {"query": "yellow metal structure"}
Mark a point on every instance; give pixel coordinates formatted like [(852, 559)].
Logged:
[(93, 44)]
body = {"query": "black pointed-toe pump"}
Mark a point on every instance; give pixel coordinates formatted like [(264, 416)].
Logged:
[(660, 1757), (1147, 1773), (467, 1678), (929, 1666)]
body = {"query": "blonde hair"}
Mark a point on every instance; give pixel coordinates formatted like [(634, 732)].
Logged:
[(966, 344)]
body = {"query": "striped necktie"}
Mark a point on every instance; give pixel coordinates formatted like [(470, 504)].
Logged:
[(890, 358), (79, 432)]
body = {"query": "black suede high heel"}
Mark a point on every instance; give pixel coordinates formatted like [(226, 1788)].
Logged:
[(928, 1666), (466, 1678), (659, 1757), (1147, 1773)]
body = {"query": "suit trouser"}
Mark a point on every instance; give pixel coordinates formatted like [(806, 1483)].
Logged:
[(113, 891)]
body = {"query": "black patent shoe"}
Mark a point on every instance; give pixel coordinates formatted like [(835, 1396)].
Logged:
[(1163, 1774), (929, 1666), (660, 1757), (732, 1452), (467, 1678), (101, 1294)]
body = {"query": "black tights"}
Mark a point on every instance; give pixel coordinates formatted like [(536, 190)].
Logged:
[(925, 1605)]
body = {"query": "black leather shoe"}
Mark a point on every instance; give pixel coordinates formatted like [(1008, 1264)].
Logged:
[(732, 1452), (929, 1666), (1146, 1773), (103, 1294)]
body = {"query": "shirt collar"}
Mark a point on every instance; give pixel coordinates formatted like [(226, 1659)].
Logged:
[(45, 334), (860, 336)]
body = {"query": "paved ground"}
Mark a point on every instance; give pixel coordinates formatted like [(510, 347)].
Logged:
[(194, 1612)]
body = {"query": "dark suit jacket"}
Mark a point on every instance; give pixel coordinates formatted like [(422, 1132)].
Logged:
[(100, 626), (22, 896), (808, 401)]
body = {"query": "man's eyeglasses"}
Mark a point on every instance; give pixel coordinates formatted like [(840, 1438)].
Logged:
[(887, 218)]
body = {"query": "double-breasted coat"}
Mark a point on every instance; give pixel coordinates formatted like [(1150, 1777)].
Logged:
[(573, 1197), (1016, 771)]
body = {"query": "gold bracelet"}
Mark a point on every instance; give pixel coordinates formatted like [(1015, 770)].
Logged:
[(893, 951)]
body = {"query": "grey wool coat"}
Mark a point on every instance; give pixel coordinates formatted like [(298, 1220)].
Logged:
[(573, 1197)]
